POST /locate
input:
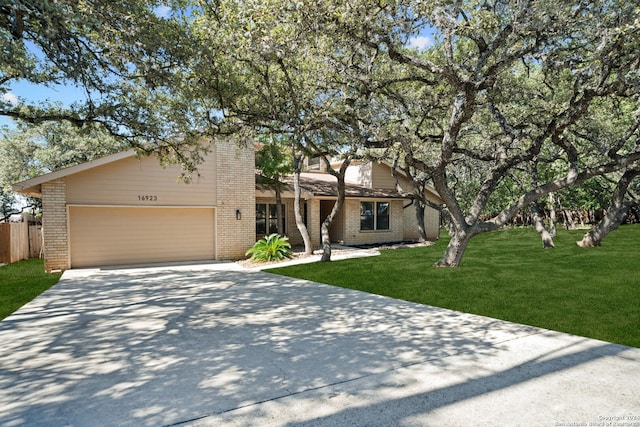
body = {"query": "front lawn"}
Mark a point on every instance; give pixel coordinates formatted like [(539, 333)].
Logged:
[(21, 282), (592, 292)]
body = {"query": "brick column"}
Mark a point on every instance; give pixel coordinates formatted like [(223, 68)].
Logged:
[(54, 225), (236, 191)]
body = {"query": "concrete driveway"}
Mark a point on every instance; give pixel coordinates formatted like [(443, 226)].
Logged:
[(208, 345)]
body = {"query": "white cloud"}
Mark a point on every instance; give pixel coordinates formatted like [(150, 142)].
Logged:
[(162, 11), (420, 42), (10, 98)]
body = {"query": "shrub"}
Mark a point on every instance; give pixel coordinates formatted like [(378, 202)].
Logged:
[(271, 248)]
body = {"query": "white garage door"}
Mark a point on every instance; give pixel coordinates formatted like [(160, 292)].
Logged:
[(112, 236)]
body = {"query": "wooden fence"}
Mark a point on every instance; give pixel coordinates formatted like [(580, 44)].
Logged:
[(19, 240)]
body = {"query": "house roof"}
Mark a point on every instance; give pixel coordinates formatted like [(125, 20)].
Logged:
[(430, 191), (319, 184), (313, 184), (33, 186)]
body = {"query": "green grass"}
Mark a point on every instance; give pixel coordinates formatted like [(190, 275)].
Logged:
[(592, 292), (21, 282)]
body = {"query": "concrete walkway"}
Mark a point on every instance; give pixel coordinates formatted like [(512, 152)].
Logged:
[(211, 345)]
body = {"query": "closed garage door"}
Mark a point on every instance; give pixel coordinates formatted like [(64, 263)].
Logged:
[(111, 236)]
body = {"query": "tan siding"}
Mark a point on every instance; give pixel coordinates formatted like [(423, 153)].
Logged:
[(313, 221), (110, 235), (360, 174), (432, 223), (295, 238), (381, 177), (126, 181)]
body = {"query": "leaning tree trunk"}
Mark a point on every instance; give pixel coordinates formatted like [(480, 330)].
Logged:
[(455, 250), (614, 215), (326, 239), (610, 222), (547, 241), (569, 224), (302, 227), (536, 216), (552, 215), (422, 232), (326, 224)]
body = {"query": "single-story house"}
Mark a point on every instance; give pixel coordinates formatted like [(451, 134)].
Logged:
[(125, 209)]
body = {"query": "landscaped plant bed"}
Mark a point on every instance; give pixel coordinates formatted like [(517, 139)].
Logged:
[(592, 292), (298, 252)]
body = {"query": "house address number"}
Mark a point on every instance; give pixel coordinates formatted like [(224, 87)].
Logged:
[(148, 198)]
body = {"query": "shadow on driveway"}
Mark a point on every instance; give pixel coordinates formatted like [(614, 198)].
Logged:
[(208, 347)]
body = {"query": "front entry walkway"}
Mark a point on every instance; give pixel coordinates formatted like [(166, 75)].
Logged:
[(202, 345)]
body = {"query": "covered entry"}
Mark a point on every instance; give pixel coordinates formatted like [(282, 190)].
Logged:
[(132, 235)]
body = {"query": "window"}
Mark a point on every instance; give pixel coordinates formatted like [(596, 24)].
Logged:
[(374, 215), (267, 216)]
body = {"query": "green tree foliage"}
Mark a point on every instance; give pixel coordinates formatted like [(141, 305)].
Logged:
[(7, 202), (274, 160), (511, 84), (29, 151), (274, 163), (126, 58), (506, 85)]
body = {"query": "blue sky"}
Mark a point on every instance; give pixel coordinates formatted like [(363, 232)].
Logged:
[(22, 91)]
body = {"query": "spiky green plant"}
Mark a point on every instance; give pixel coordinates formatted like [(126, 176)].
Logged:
[(273, 247)]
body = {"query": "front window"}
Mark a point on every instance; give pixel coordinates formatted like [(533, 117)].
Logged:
[(382, 216), (374, 215), (267, 219)]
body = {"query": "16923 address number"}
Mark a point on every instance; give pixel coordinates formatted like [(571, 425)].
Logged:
[(148, 198)]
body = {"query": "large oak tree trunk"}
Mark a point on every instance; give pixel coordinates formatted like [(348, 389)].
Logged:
[(455, 250), (614, 215), (552, 215), (326, 239), (419, 209), (610, 222), (326, 224), (304, 232), (547, 241)]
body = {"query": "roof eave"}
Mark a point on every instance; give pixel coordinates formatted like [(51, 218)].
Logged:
[(28, 185)]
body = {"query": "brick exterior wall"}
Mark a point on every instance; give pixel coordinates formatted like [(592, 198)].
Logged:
[(235, 191), (235, 168), (350, 218), (54, 225), (353, 234), (313, 221)]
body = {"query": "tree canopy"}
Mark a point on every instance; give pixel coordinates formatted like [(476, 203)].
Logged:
[(511, 101), (124, 56)]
